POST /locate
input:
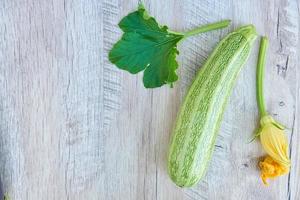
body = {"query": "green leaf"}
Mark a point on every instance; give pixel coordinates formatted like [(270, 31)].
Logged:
[(145, 45), (279, 125), (256, 135)]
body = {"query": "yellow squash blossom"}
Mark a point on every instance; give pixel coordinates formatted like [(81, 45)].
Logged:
[(274, 142), (271, 133)]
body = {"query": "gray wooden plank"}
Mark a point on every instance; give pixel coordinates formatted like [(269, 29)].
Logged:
[(51, 100), (73, 126), (294, 184)]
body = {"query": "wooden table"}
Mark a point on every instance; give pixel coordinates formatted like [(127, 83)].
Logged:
[(73, 126)]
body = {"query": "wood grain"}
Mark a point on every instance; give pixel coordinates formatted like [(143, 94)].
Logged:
[(73, 126)]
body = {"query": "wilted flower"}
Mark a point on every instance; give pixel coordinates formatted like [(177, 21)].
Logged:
[(274, 142)]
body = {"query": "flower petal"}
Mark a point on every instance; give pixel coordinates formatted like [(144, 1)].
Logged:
[(275, 143)]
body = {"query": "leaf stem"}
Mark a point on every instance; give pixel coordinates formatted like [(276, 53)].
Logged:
[(260, 75), (208, 27)]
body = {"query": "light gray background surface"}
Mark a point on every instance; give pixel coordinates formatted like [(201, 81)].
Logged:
[(73, 126)]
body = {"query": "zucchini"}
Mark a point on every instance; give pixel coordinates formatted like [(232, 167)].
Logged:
[(200, 115)]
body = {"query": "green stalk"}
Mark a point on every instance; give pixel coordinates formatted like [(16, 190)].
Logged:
[(208, 27), (205, 28), (260, 76)]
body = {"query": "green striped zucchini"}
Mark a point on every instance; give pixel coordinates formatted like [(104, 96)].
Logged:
[(200, 115)]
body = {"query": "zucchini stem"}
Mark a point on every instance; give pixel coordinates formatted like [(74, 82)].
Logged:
[(260, 76), (207, 27)]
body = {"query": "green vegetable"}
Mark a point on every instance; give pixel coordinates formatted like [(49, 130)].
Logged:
[(200, 116), (6, 197), (145, 45)]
